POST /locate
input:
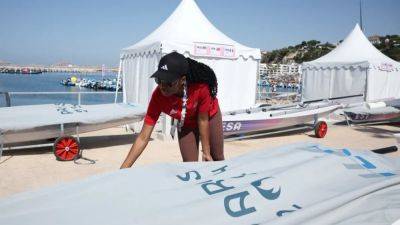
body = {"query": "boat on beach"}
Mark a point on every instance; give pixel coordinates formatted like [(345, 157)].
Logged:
[(278, 119), (374, 112), (42, 122)]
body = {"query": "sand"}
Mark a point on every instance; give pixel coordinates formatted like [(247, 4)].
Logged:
[(34, 168)]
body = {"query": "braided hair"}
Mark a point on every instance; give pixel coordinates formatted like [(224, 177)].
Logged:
[(201, 73)]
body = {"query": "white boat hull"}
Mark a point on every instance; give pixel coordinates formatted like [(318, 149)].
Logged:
[(41, 122), (248, 122)]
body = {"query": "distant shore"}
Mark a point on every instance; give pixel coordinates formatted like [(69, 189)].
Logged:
[(54, 69)]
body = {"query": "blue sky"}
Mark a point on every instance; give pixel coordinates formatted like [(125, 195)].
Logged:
[(90, 32)]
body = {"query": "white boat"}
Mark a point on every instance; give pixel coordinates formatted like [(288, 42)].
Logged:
[(40, 122), (287, 95), (267, 119), (375, 112)]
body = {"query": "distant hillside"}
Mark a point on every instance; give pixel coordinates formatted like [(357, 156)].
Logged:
[(4, 62), (313, 49), (390, 46)]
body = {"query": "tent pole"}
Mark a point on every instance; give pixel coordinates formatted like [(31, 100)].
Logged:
[(366, 85), (1, 144), (301, 82), (258, 91), (118, 79)]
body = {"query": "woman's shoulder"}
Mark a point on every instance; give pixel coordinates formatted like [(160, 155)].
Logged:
[(157, 93), (198, 86), (199, 89)]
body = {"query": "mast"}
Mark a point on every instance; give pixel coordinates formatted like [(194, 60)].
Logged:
[(361, 21), (103, 68)]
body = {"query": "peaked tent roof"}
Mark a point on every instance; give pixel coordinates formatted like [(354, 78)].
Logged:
[(185, 26), (355, 48)]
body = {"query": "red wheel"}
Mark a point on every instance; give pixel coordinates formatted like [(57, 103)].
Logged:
[(321, 129), (66, 148)]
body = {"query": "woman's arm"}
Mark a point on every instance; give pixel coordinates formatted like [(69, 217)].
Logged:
[(138, 147), (204, 129)]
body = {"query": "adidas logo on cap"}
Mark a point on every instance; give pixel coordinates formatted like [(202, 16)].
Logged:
[(164, 67)]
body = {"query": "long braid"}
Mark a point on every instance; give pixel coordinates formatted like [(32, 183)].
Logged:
[(201, 73)]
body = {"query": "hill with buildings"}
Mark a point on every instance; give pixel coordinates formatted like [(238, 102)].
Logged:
[(313, 49), (4, 63), (305, 51), (388, 45)]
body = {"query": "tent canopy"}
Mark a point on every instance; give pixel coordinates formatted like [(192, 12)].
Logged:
[(190, 33), (354, 69), (355, 49), (187, 25)]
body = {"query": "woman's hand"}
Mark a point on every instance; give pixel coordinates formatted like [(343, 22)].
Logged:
[(138, 147), (204, 136), (206, 157)]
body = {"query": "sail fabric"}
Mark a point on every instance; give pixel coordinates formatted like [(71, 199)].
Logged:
[(295, 184)]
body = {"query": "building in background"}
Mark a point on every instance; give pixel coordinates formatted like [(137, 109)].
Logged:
[(375, 40), (275, 70)]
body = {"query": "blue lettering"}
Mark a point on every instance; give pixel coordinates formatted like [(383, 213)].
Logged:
[(187, 176), (243, 210), (266, 193), (217, 186)]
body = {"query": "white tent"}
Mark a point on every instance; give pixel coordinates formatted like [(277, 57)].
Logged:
[(189, 32), (354, 68)]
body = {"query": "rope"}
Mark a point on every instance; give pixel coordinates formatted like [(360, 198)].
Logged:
[(80, 156)]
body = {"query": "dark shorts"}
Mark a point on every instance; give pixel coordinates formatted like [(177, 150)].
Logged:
[(189, 140)]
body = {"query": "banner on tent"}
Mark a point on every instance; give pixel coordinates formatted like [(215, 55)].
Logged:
[(214, 50), (386, 67)]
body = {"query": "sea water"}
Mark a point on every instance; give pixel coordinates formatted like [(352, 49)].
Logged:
[(50, 82)]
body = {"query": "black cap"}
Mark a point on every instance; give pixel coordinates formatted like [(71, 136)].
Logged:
[(171, 67)]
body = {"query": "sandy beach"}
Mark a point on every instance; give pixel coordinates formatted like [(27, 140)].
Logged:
[(34, 168)]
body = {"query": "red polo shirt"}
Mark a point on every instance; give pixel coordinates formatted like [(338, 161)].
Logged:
[(199, 101)]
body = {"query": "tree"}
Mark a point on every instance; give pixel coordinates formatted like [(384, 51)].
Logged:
[(307, 50)]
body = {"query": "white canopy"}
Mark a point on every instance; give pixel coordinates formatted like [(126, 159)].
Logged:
[(189, 32), (355, 67), (187, 25)]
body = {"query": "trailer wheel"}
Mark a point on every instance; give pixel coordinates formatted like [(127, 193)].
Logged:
[(66, 148), (321, 128)]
